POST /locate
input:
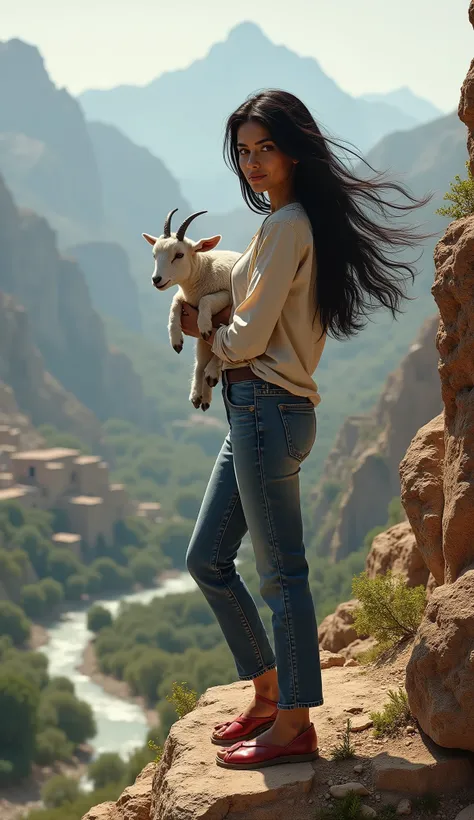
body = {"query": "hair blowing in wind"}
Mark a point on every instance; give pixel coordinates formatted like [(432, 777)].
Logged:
[(355, 272)]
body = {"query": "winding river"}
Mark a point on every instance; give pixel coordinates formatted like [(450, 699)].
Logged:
[(121, 726)]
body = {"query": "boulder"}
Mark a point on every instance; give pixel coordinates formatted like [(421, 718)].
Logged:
[(337, 631), (396, 550)]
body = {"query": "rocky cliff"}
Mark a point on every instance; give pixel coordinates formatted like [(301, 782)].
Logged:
[(437, 477), (28, 389), (68, 332), (360, 477)]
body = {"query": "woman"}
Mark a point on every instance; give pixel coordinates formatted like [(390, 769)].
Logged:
[(314, 267)]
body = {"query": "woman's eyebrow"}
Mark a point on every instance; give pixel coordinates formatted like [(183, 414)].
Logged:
[(265, 139)]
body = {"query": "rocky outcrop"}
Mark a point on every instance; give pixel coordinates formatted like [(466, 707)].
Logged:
[(28, 386), (437, 476), (361, 475), (11, 417), (65, 328), (396, 550)]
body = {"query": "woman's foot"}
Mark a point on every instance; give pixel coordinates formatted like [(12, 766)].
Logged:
[(262, 706)]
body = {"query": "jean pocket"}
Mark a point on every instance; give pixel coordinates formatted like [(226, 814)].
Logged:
[(299, 423), (240, 395)]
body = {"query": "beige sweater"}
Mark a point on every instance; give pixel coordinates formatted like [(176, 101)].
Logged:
[(272, 328)]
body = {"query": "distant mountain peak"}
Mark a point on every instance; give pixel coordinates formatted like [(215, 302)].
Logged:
[(246, 32)]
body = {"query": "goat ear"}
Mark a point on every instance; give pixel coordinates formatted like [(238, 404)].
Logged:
[(150, 239), (207, 244)]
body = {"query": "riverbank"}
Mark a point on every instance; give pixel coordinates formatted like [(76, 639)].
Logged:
[(117, 688)]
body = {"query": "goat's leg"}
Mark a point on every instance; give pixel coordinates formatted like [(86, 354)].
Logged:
[(201, 393), (208, 306), (174, 322), (212, 373)]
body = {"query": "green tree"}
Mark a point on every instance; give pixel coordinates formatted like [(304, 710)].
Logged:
[(59, 790), (108, 768), (62, 564), (144, 569), (74, 717), (112, 576), (75, 587), (13, 622), (33, 600), (30, 539), (461, 194), (54, 592), (146, 673), (187, 504), (51, 745), (98, 617), (19, 699), (174, 537)]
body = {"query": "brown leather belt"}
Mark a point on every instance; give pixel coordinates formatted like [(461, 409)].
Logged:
[(240, 374)]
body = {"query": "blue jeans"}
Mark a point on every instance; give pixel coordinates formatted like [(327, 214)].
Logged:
[(254, 486)]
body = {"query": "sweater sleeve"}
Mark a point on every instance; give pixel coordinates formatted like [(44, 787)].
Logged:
[(276, 264)]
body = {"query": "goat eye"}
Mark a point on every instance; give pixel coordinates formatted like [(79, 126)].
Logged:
[(179, 255)]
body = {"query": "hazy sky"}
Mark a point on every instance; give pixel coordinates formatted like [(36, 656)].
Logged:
[(364, 45)]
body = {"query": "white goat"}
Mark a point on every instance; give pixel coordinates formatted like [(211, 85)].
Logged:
[(203, 279)]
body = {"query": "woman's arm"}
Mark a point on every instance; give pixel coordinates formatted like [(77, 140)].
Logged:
[(277, 262)]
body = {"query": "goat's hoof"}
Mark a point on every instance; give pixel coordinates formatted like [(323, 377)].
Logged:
[(196, 402), (205, 406), (211, 380), (206, 335), (178, 348)]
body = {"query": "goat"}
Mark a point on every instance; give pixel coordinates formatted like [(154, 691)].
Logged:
[(203, 279)]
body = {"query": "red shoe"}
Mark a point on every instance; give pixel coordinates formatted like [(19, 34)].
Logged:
[(244, 728), (251, 754)]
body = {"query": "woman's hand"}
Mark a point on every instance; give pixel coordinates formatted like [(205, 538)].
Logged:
[(189, 316)]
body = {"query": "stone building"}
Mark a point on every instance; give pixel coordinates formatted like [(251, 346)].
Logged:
[(62, 478)]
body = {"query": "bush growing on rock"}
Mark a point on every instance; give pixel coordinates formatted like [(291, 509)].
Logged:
[(389, 610), (461, 194), (394, 716)]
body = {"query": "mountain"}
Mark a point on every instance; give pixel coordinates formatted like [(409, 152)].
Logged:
[(66, 329), (112, 289), (405, 100), (46, 155), (27, 386), (180, 115)]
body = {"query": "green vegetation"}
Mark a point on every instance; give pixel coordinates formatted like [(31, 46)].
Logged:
[(41, 720), (98, 617), (345, 749), (108, 768), (395, 715), (461, 194), (389, 611), (349, 808), (59, 790)]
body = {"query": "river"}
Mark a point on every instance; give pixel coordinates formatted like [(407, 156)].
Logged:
[(121, 725)]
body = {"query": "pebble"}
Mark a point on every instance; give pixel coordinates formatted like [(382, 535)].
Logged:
[(330, 782), (368, 811), (310, 800), (410, 730), (378, 797), (358, 769), (327, 796), (408, 742), (345, 788), (404, 807)]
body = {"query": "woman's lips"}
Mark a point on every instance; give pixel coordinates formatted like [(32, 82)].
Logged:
[(256, 178)]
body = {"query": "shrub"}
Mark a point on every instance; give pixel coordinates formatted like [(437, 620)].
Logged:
[(75, 587), (389, 610), (19, 700), (144, 569), (108, 768), (113, 577), (98, 617), (461, 194), (13, 622), (54, 592), (51, 745), (395, 715), (59, 790), (73, 716), (60, 684), (33, 600), (345, 748), (183, 698), (145, 674)]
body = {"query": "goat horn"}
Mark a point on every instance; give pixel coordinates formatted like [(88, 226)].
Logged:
[(167, 228), (182, 228)]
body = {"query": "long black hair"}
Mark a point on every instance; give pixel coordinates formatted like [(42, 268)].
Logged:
[(354, 275)]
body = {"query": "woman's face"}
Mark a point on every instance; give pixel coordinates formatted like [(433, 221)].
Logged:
[(261, 161)]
